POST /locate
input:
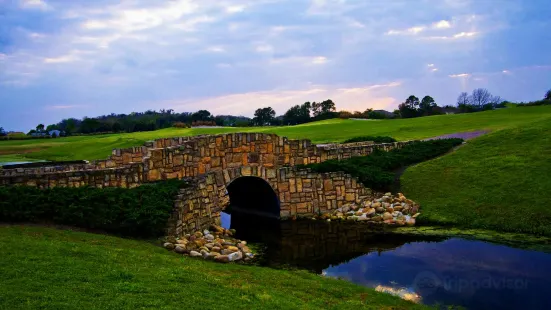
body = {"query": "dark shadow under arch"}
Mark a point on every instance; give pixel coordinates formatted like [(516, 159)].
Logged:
[(252, 196)]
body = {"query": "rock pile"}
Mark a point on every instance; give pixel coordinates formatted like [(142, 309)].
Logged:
[(215, 244), (388, 209)]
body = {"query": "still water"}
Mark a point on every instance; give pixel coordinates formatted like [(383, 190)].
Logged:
[(471, 274)]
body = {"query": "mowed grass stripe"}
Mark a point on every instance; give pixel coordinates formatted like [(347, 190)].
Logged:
[(336, 130)]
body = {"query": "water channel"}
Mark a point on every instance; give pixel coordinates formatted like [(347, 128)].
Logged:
[(435, 270)]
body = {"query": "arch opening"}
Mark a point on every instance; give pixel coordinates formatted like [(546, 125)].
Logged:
[(252, 196)]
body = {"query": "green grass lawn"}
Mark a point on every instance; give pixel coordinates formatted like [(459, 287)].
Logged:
[(501, 181), (99, 147), (44, 268)]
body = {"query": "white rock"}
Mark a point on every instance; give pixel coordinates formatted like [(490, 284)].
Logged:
[(195, 254), (235, 256)]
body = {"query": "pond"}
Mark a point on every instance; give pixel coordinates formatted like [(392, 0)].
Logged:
[(434, 270)]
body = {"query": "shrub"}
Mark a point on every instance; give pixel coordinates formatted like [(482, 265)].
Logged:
[(140, 212), (345, 115), (180, 125), (376, 139), (376, 170)]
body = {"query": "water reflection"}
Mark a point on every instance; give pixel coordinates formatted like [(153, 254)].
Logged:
[(472, 274)]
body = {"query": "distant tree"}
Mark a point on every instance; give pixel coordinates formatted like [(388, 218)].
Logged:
[(2, 132), (463, 99), (117, 127), (427, 105), (31, 132), (201, 115), (480, 97), (89, 125), (412, 102), (54, 134), (547, 95), (264, 116), (408, 109), (298, 114), (40, 127)]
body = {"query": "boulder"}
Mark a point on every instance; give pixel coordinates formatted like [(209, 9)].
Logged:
[(235, 256), (195, 254), (222, 259), (180, 249), (387, 216), (169, 246)]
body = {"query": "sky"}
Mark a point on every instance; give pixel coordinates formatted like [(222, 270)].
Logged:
[(76, 58)]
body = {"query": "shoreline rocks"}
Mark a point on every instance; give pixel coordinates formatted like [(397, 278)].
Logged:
[(215, 244), (391, 210)]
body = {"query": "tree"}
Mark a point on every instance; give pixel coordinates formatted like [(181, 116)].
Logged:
[(264, 116), (40, 127), (547, 95), (2, 132), (298, 114), (116, 127), (480, 97), (412, 102), (408, 109), (427, 105), (201, 115), (463, 99)]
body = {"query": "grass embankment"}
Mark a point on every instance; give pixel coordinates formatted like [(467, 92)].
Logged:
[(501, 181), (99, 147), (377, 170), (46, 268)]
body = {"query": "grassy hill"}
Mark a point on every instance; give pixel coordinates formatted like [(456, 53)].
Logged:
[(99, 147), (45, 268), (500, 181)]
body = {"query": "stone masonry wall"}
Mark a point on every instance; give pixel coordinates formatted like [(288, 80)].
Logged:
[(302, 193), (192, 156)]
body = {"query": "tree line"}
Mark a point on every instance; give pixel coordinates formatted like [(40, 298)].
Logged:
[(479, 100)]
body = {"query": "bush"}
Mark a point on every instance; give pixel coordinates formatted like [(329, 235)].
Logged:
[(376, 170), (180, 125), (139, 212), (376, 139)]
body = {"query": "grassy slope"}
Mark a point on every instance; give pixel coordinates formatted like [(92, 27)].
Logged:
[(99, 147), (500, 181), (54, 269)]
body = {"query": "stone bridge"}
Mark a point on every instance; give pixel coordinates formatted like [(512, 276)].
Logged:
[(253, 171)]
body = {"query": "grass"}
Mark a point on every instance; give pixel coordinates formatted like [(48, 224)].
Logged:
[(44, 268), (99, 147), (501, 181)]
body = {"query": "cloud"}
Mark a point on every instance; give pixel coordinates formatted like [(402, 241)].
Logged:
[(352, 99), (409, 31), (216, 49), (460, 75), (443, 24), (320, 60), (34, 4), (235, 8), (63, 107)]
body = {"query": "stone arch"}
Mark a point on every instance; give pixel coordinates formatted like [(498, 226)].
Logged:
[(301, 193), (253, 195)]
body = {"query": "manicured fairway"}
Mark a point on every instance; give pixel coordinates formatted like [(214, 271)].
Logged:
[(501, 181), (99, 147), (44, 268)]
